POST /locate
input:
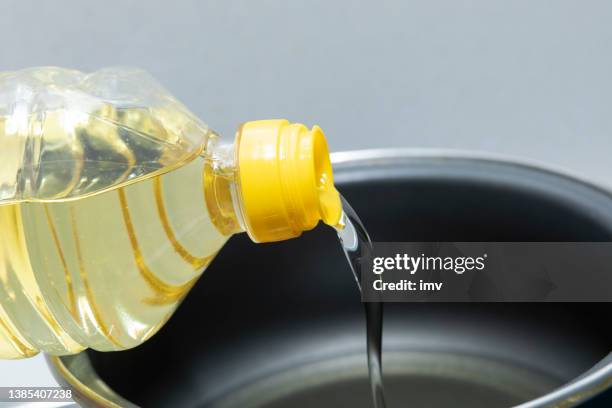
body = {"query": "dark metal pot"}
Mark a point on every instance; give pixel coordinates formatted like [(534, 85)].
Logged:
[(281, 325)]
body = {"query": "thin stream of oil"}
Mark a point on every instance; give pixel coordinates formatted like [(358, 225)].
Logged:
[(355, 241)]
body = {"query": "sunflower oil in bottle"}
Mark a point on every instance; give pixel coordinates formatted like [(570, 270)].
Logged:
[(114, 198)]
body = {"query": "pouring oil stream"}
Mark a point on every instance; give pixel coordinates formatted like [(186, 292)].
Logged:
[(355, 240)]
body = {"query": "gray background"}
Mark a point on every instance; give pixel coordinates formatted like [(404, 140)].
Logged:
[(522, 78)]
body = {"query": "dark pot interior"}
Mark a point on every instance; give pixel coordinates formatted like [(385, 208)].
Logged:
[(281, 325)]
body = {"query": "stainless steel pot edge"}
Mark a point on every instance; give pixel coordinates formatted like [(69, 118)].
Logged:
[(370, 157), (593, 382)]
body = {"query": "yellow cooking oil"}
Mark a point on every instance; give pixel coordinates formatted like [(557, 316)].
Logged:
[(114, 199), (157, 235), (106, 270)]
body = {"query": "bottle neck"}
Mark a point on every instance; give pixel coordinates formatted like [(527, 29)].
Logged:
[(220, 187)]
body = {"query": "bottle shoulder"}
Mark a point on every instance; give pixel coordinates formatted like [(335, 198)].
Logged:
[(66, 134)]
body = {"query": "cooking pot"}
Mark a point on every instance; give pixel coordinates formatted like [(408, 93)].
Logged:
[(281, 325)]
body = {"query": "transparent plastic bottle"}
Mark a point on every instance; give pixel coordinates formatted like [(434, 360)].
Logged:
[(114, 198)]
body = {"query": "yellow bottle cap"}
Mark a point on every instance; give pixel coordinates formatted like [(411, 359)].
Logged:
[(286, 181)]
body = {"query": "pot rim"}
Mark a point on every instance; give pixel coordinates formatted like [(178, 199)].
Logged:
[(580, 389), (370, 157)]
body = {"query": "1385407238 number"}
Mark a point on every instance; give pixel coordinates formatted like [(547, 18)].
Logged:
[(9, 394)]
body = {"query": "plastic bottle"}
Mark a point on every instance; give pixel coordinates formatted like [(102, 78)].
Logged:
[(114, 198)]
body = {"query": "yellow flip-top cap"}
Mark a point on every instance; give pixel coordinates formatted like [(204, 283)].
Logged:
[(286, 181)]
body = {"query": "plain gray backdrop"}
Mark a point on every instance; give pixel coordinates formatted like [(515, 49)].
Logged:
[(523, 78)]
